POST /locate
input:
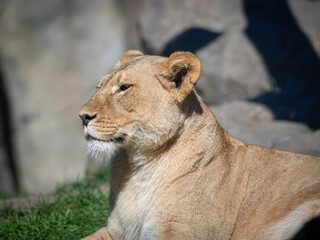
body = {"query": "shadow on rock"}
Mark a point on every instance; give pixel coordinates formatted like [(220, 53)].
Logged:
[(290, 60), (192, 40)]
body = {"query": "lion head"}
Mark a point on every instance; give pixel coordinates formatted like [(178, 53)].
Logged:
[(138, 105)]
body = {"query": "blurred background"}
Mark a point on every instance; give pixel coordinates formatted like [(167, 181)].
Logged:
[(261, 73)]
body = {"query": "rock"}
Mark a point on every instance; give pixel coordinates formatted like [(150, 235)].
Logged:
[(175, 17), (226, 76), (6, 179), (53, 54), (247, 48), (8, 171), (242, 111), (307, 143), (227, 58), (289, 57), (265, 133), (307, 15), (252, 124)]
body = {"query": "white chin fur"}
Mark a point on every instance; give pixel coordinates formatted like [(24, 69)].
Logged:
[(101, 150)]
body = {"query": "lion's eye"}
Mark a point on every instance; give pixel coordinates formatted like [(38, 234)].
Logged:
[(124, 87)]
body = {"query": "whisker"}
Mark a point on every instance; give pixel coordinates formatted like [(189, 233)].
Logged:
[(106, 131), (102, 126)]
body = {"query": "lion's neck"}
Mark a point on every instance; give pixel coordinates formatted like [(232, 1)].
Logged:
[(199, 144), (201, 139)]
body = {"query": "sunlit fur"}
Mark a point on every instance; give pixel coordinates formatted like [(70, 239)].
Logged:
[(179, 175), (102, 150), (99, 149)]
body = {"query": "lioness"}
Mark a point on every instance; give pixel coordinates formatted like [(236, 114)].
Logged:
[(181, 175)]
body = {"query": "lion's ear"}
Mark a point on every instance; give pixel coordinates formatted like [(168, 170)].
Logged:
[(179, 73), (127, 56)]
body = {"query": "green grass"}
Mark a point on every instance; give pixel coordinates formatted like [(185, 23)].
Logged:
[(78, 210)]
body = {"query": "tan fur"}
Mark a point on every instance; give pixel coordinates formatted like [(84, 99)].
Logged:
[(179, 175)]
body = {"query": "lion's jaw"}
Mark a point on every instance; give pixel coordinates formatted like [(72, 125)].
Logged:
[(99, 149), (141, 138)]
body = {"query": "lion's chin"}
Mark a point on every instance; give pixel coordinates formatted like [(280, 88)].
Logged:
[(102, 150)]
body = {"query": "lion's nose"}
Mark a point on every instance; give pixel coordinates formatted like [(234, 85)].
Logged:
[(86, 118)]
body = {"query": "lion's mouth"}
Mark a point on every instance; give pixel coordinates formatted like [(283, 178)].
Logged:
[(119, 139)]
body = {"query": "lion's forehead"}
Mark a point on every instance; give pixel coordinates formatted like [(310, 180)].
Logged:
[(135, 67)]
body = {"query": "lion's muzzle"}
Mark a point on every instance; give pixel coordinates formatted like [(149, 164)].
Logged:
[(86, 118)]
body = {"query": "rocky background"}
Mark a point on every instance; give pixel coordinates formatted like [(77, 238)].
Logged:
[(261, 73)]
